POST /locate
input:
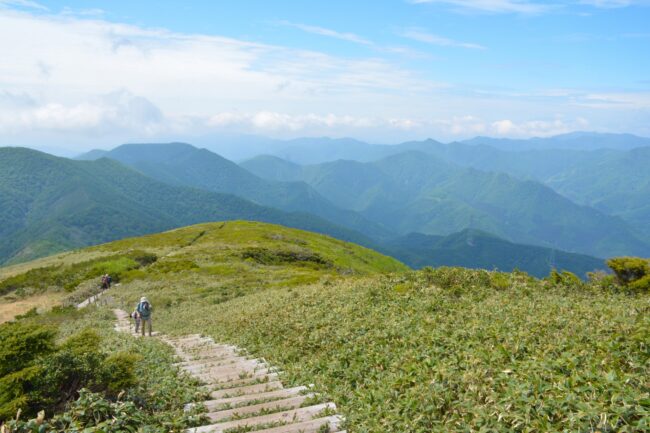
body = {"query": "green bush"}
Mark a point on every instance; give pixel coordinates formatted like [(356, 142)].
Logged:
[(565, 279), (641, 285), (629, 269), (22, 343), (90, 413), (265, 256), (37, 375), (119, 372), (143, 258)]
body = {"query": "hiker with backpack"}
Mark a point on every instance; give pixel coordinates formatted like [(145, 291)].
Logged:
[(144, 310)]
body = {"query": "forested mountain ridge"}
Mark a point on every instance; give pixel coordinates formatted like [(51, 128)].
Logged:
[(182, 164), (418, 192), (50, 204), (476, 249)]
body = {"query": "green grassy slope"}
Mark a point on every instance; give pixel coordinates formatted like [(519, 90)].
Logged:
[(475, 249), (210, 261), (185, 165), (423, 356), (49, 204), (449, 350)]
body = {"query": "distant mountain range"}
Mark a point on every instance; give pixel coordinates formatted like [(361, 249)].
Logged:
[(418, 192), (483, 202), (573, 140), (50, 204), (316, 150), (185, 165)]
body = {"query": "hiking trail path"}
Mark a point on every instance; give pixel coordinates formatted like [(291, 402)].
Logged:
[(246, 394)]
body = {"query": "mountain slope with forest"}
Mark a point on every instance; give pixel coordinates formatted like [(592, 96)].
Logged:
[(50, 204), (475, 249), (185, 165), (418, 192)]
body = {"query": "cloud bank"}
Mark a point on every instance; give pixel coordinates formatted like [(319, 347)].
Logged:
[(78, 80)]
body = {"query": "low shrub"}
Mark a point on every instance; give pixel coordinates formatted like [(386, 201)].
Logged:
[(631, 272), (37, 375), (565, 279), (641, 285), (22, 343), (119, 371), (265, 256)]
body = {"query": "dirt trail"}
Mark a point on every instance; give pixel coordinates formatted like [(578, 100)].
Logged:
[(246, 394)]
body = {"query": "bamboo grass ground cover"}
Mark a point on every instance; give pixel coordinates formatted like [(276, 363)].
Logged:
[(445, 350), (449, 350)]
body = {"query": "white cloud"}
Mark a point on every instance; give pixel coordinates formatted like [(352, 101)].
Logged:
[(82, 80), (22, 3), (356, 39), (615, 101), (429, 38), (536, 128), (268, 121), (345, 36), (180, 72), (494, 6), (613, 4), (118, 110)]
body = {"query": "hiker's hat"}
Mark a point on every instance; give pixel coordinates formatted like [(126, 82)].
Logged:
[(143, 299)]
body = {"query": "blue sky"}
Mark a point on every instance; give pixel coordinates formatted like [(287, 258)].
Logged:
[(384, 70)]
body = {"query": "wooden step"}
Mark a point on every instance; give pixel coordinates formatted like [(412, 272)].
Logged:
[(287, 417), (216, 358), (230, 363), (216, 386), (225, 374), (236, 379), (312, 426), (251, 410), (195, 356), (177, 338), (211, 362), (223, 403), (244, 390)]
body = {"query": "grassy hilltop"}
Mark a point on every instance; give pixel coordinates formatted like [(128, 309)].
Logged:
[(212, 262), (444, 350)]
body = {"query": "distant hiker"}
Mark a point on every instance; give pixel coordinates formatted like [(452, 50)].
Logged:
[(104, 282), (136, 319), (144, 309), (109, 280)]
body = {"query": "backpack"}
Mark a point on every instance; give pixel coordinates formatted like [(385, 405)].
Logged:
[(143, 308)]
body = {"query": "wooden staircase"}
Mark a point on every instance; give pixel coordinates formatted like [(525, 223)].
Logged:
[(246, 395)]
